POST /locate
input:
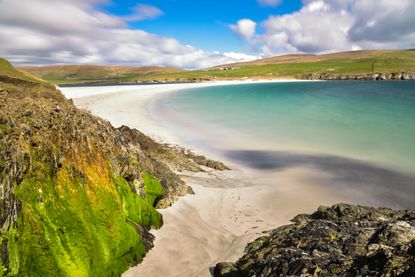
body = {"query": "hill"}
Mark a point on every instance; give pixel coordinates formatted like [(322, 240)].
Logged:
[(343, 65), (348, 55), (374, 64), (78, 195), (95, 74), (6, 69)]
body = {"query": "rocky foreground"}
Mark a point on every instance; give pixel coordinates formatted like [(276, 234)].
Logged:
[(77, 196), (342, 240)]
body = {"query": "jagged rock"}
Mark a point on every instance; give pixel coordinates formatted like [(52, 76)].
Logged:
[(77, 196), (342, 240), (226, 270), (174, 156)]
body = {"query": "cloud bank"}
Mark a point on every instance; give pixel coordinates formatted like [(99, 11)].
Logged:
[(244, 29), (78, 32), (145, 12), (335, 25)]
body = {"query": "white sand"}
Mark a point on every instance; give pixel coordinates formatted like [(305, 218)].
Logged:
[(105, 101), (228, 210), (216, 223)]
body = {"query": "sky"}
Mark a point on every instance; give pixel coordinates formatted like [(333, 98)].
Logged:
[(196, 33)]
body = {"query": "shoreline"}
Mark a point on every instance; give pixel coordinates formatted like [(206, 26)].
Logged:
[(86, 96), (153, 83), (193, 222), (322, 76), (229, 209)]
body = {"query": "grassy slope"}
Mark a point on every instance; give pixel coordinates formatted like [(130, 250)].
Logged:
[(90, 73), (288, 66), (7, 69), (294, 66), (77, 219)]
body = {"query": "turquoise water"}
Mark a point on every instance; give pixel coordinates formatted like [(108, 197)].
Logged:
[(369, 121)]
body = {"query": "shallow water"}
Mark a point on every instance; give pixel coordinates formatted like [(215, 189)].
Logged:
[(369, 121)]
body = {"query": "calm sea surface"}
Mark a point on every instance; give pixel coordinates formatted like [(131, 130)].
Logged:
[(368, 121)]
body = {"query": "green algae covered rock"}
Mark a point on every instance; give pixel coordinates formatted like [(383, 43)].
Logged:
[(78, 196)]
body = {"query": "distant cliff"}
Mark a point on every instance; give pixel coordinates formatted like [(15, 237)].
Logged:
[(342, 240), (362, 77), (78, 196)]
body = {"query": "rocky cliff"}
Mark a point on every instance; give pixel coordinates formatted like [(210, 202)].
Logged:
[(342, 240), (78, 196), (361, 77)]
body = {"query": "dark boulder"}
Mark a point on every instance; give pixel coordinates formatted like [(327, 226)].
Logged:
[(342, 240)]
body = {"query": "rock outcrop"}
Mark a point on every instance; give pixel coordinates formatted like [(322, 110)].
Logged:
[(77, 196), (360, 77), (342, 240)]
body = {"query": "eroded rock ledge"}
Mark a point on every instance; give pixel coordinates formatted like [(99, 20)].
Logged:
[(361, 77), (342, 240)]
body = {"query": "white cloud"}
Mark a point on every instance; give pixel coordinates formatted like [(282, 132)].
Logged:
[(240, 56), (269, 3), (315, 28), (77, 32), (244, 29), (316, 6), (145, 12), (335, 25), (388, 21)]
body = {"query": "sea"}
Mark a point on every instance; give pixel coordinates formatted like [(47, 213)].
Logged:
[(371, 122)]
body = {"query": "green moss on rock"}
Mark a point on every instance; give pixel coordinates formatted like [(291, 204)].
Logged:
[(136, 208), (152, 188), (78, 195), (74, 225)]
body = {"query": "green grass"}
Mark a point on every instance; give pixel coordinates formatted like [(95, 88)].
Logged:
[(383, 61), (99, 76), (389, 64), (337, 64), (92, 74), (7, 69)]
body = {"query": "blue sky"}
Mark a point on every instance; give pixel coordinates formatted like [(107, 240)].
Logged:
[(203, 23), (196, 34)]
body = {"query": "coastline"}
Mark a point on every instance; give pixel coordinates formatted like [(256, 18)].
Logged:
[(194, 234), (321, 76), (229, 209), (86, 96)]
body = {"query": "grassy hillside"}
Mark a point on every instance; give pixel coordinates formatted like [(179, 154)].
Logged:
[(295, 66), (96, 74), (6, 69), (348, 55), (288, 67)]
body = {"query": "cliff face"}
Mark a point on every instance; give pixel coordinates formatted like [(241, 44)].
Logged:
[(77, 195), (342, 240), (362, 77)]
